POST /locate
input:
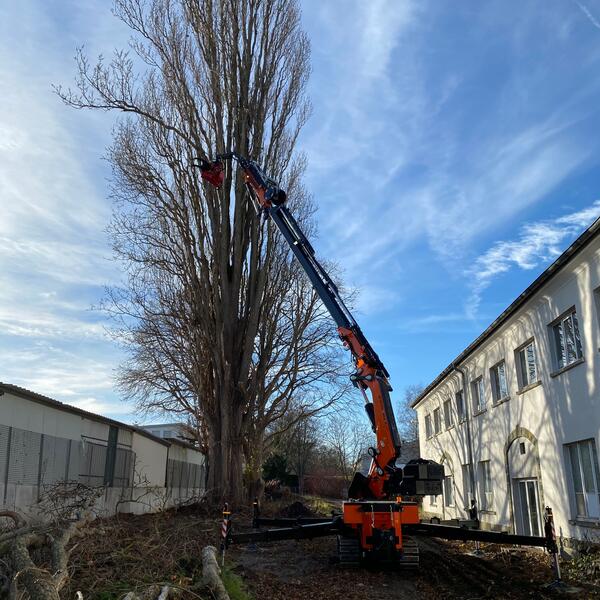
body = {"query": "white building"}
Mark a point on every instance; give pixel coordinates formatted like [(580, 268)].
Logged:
[(166, 430), (515, 418), (44, 442)]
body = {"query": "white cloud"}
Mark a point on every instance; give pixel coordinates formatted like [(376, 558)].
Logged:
[(54, 255), (586, 11), (408, 145), (102, 407), (537, 243)]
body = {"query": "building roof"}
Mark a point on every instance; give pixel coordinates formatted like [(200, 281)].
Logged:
[(575, 248), (35, 397)]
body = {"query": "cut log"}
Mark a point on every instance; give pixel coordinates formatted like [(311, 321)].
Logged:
[(211, 574)]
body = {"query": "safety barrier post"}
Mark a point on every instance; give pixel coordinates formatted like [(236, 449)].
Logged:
[(255, 513), (252, 547), (474, 517), (225, 531), (551, 544)]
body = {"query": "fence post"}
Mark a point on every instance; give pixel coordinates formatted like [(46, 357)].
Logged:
[(68, 463), (40, 467), (8, 445)]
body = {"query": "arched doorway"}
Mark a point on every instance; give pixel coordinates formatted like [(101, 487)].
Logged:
[(524, 481)]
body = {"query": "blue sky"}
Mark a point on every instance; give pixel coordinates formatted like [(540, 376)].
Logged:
[(453, 153)]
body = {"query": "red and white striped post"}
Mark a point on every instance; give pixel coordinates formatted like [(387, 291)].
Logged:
[(551, 544), (224, 531)]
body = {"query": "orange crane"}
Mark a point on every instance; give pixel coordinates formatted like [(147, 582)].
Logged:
[(376, 522)]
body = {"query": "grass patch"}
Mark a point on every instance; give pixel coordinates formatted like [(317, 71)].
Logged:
[(320, 505), (234, 585)]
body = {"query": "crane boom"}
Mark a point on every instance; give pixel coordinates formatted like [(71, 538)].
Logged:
[(371, 374)]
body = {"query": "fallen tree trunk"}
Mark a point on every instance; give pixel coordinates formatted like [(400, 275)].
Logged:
[(211, 573), (23, 573)]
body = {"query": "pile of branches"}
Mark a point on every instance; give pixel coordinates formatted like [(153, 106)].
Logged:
[(137, 556), (68, 552)]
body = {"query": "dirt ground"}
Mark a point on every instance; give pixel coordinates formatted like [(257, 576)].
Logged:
[(306, 569), (133, 552), (302, 570)]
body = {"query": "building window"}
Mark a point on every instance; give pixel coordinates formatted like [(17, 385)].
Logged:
[(460, 405), (467, 477), (485, 482), (585, 478), (448, 421), (428, 430), (526, 365), (437, 420), (449, 491), (567, 341), (478, 395), (499, 385)]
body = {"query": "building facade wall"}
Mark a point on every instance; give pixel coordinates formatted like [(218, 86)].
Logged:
[(43, 445), (524, 435)]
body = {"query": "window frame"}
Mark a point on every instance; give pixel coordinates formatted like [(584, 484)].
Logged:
[(590, 444), (523, 382), (461, 415), (448, 416), (437, 422), (478, 392), (428, 426), (486, 495), (497, 398), (449, 480), (559, 344)]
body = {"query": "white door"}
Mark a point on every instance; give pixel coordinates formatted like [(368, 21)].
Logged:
[(527, 507)]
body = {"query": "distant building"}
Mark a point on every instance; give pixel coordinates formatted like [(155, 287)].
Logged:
[(515, 418), (167, 430), (44, 442)]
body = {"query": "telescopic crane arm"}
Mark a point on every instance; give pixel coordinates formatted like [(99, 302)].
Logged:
[(371, 374), (375, 522)]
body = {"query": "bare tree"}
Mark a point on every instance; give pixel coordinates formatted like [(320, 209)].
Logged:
[(296, 439), (408, 425), (218, 323), (347, 437)]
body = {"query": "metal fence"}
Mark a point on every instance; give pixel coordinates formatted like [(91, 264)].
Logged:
[(184, 475), (33, 459)]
